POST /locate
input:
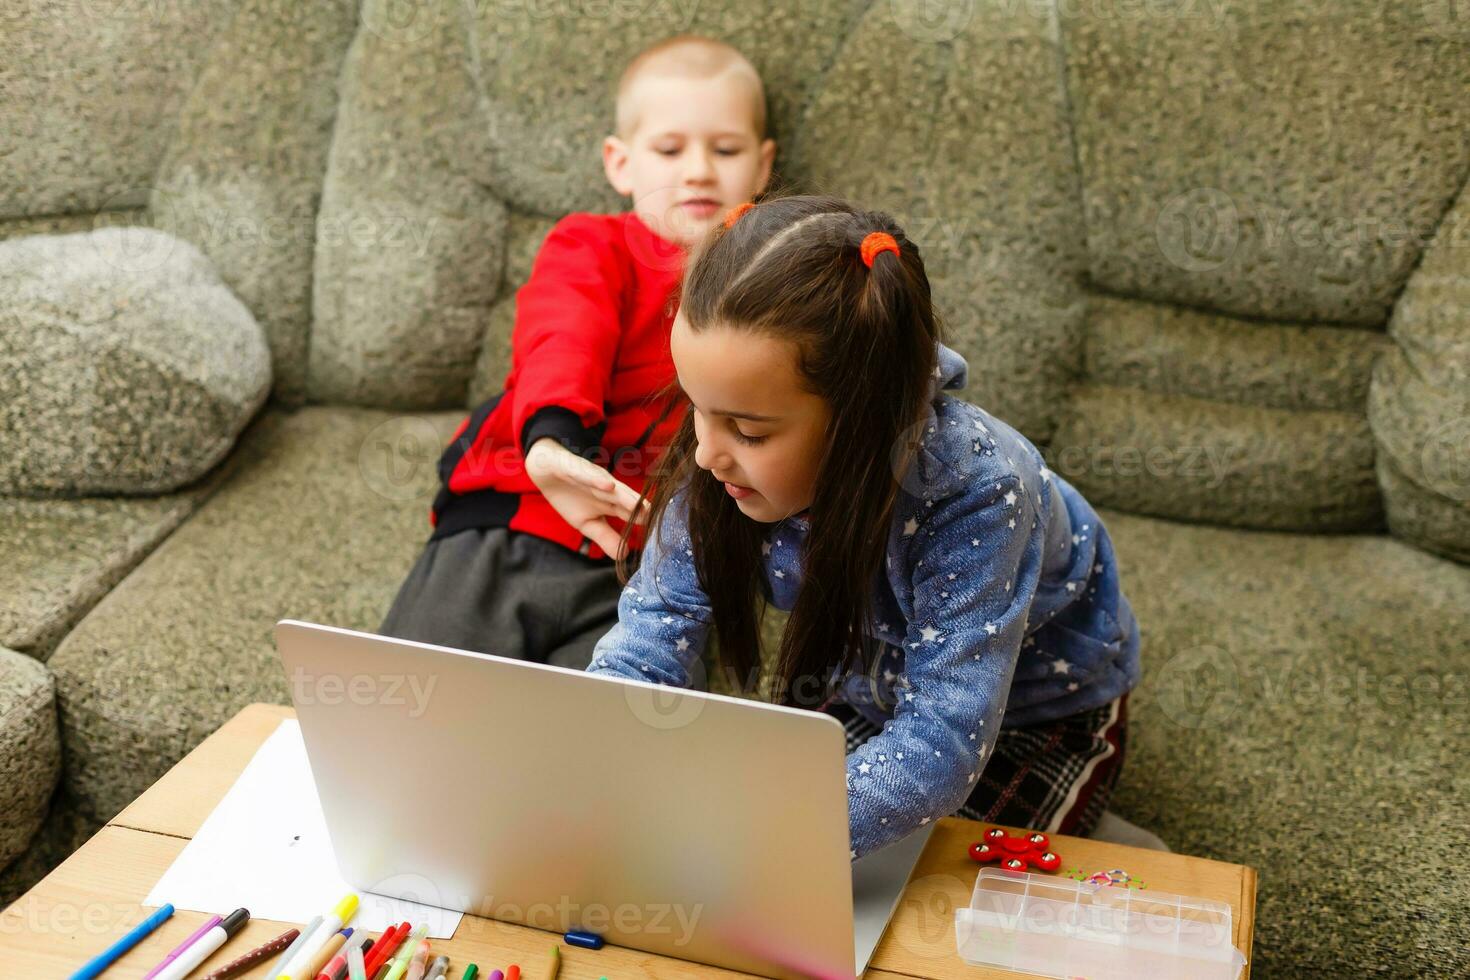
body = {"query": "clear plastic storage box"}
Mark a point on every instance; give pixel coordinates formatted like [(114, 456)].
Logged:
[(1069, 929)]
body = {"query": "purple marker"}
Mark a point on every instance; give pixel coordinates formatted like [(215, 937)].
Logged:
[(209, 924)]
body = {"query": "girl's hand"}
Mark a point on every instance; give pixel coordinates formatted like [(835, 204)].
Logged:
[(583, 493)]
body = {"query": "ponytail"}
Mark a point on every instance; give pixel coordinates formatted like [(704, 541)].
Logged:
[(849, 291)]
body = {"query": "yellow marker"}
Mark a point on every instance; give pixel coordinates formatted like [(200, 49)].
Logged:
[(297, 966), (552, 970)]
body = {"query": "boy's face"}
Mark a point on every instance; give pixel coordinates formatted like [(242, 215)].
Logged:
[(693, 156)]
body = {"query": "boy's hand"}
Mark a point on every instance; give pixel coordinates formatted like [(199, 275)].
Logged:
[(583, 493)]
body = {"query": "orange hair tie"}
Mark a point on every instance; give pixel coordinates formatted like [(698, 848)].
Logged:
[(734, 214), (875, 242)]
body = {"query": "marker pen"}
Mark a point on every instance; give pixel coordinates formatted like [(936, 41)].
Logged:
[(296, 967), (206, 944), (178, 950)]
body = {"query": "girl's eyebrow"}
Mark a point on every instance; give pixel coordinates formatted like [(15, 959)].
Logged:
[(748, 416)]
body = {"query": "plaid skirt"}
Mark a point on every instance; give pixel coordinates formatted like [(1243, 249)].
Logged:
[(1056, 777)]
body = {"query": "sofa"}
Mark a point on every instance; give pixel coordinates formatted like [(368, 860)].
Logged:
[(1213, 256)]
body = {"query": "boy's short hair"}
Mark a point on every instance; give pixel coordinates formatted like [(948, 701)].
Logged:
[(688, 56)]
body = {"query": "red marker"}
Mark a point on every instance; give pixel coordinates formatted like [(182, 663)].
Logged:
[(384, 947)]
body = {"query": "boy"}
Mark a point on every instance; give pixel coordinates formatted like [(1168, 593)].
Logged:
[(521, 559)]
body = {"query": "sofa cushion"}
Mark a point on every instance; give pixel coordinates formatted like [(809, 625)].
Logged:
[(1178, 350), (547, 83), (1303, 710), (1277, 160), (243, 172), (126, 366), (524, 235), (1195, 459), (89, 91), (30, 750), (63, 832), (321, 520), (1201, 416), (951, 116), (61, 556), (1419, 405), (410, 241)]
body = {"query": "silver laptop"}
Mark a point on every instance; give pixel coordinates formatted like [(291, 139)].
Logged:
[(687, 824)]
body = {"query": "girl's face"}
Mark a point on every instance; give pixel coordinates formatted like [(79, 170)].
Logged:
[(759, 431)]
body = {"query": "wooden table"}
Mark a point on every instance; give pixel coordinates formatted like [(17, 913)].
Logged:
[(96, 895)]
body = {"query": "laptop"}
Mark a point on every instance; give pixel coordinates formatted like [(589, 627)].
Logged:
[(687, 824)]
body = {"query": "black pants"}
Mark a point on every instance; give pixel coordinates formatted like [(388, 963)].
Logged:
[(511, 594)]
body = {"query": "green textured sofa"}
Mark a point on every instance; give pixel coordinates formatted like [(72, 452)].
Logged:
[(1213, 256)]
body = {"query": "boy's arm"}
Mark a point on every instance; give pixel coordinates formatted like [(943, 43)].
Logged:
[(567, 327), (663, 613), (960, 654)]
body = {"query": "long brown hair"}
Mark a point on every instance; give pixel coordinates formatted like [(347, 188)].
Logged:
[(790, 268)]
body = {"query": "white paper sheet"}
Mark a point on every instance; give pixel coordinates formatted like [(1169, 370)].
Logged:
[(265, 848)]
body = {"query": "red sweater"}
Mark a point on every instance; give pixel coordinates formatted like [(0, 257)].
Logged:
[(589, 359)]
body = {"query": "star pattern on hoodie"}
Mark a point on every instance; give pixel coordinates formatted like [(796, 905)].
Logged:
[(964, 592)]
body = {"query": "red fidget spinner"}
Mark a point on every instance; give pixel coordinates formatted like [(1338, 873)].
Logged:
[(1016, 853)]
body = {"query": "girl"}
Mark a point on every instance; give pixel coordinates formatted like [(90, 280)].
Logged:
[(952, 601)]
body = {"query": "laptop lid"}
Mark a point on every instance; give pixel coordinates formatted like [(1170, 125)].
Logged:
[(687, 824), (878, 882)]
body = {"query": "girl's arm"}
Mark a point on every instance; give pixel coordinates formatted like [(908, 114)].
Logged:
[(973, 580), (663, 613)]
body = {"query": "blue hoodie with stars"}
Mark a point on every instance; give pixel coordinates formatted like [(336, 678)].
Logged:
[(1000, 605)]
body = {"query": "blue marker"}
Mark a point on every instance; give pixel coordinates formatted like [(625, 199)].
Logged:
[(105, 959), (587, 940)]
